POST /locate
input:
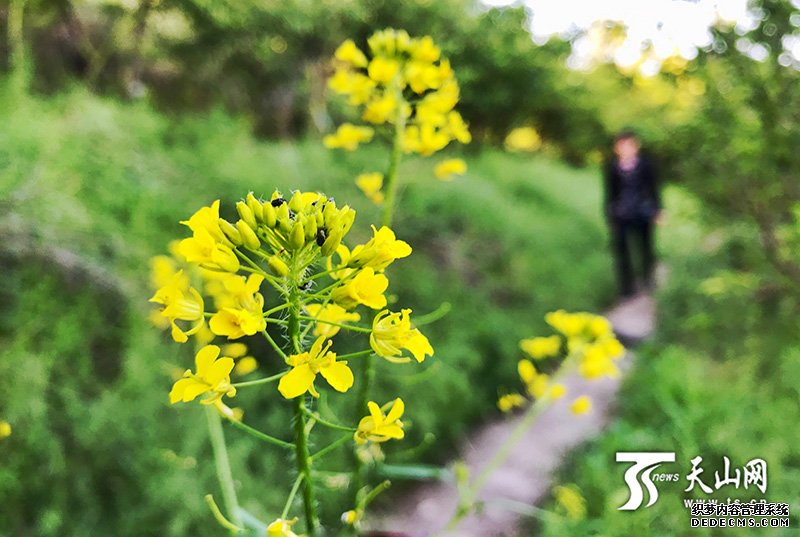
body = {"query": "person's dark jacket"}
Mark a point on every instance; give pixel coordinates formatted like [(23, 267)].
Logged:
[(639, 200)]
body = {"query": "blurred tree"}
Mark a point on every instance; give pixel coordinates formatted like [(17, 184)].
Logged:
[(739, 150)]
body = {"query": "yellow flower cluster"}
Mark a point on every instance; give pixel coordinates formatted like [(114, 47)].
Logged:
[(405, 83), (584, 341), (276, 242), (262, 275)]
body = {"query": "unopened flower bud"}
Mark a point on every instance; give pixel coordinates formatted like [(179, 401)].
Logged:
[(249, 237), (230, 231), (310, 225), (254, 205), (296, 203), (246, 214), (269, 215), (277, 266), (297, 236), (332, 242)]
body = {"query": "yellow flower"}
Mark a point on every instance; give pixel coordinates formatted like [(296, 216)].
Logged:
[(306, 366), (422, 76), (510, 401), (357, 85), (382, 70), (204, 249), (330, 313), (380, 109), (348, 136), (281, 528), (536, 383), (581, 405), (569, 497), (365, 288), (595, 362), (458, 128), (212, 377), (425, 139), (392, 332), (380, 251), (244, 316), (424, 50), (370, 184), (348, 52), (5, 429), (380, 427), (207, 219), (541, 347), (569, 324), (446, 169), (183, 303), (235, 323)]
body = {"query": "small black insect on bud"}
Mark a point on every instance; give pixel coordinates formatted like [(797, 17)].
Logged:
[(321, 236), (277, 202), (306, 286)]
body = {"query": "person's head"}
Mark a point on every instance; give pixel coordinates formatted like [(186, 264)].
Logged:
[(626, 145)]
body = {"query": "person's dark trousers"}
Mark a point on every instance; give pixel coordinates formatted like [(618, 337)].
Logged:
[(624, 233)]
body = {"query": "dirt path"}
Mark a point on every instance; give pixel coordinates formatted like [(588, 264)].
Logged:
[(525, 477)]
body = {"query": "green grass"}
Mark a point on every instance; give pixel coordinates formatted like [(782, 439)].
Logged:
[(90, 189), (719, 379)]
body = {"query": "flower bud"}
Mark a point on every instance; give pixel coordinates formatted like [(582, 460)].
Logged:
[(277, 266), (246, 214), (255, 206), (332, 242), (227, 260), (269, 215), (348, 217), (230, 231), (310, 225), (297, 236), (296, 203), (249, 237)]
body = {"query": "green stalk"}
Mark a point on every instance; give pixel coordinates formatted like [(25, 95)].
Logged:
[(304, 466), (301, 434), (224, 474), (394, 163)]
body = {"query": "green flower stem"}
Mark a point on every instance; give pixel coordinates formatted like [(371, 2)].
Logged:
[(340, 325), (261, 436), (330, 447), (304, 466), (224, 522), (375, 492), (443, 309), (292, 494), (256, 382), (366, 352), (367, 375), (316, 417), (394, 162), (301, 431), (275, 309), (274, 345), (224, 474)]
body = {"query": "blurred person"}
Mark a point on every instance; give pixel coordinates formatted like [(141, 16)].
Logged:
[(633, 207)]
